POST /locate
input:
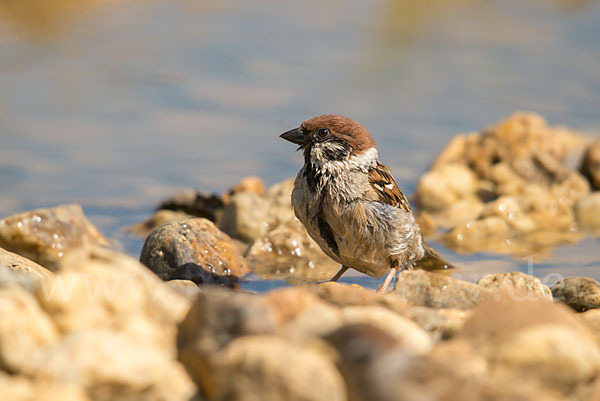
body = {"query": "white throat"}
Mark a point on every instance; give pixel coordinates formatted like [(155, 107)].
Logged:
[(362, 162)]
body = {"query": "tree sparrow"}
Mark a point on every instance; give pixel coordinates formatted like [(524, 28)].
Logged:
[(350, 204)]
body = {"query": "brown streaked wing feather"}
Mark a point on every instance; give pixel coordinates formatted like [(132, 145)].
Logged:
[(384, 185)]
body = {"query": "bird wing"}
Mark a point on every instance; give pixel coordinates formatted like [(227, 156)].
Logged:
[(384, 188)]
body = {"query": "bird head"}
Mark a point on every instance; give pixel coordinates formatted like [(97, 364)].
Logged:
[(330, 138)]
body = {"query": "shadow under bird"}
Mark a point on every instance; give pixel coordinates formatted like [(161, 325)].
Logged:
[(351, 205)]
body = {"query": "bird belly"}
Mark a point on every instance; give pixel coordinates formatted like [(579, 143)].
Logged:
[(366, 236)]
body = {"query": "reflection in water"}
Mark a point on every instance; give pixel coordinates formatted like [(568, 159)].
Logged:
[(118, 104)]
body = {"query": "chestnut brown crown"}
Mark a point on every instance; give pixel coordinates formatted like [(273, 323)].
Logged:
[(341, 128)]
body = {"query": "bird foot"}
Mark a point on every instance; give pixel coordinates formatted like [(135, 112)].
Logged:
[(388, 279)]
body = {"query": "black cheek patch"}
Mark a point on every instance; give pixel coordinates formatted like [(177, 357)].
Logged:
[(338, 152)]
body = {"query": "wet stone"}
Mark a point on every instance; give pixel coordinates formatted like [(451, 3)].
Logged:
[(521, 193), (46, 235), (516, 280), (193, 250), (288, 252), (580, 293), (422, 288)]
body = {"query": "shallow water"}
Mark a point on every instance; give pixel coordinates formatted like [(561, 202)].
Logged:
[(118, 104)]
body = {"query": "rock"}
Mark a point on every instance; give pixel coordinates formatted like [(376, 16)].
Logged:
[(360, 347), (10, 278), (316, 320), (247, 184), (15, 262), (194, 250), (591, 318), (195, 203), (187, 288), (255, 368), (509, 281), (509, 209), (98, 289), (422, 288), (518, 174), (24, 328), (487, 233), (451, 372), (460, 212), (570, 189), (441, 324), (343, 295), (288, 302), (406, 332), (555, 353), (249, 216), (300, 316), (533, 339), (442, 187), (518, 140), (279, 203), (245, 217), (216, 317), (590, 165), (587, 211), (288, 251), (112, 366), (46, 235), (20, 388), (580, 293), (159, 218)]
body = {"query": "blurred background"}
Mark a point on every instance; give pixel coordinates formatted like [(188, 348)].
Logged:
[(117, 104)]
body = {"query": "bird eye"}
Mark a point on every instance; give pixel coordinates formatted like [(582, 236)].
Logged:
[(323, 132)]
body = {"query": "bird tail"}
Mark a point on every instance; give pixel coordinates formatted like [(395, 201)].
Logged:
[(432, 260)]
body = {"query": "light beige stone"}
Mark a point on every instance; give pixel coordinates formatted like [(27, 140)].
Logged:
[(440, 188), (24, 328), (408, 333), (113, 366), (265, 368)]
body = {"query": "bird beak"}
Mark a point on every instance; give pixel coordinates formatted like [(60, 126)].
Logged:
[(296, 136)]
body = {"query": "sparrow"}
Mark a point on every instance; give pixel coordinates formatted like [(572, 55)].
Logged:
[(351, 205)]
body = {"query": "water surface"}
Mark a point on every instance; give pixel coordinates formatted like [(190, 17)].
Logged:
[(118, 104)]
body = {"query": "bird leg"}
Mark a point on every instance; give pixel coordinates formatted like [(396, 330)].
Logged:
[(383, 287), (339, 273)]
